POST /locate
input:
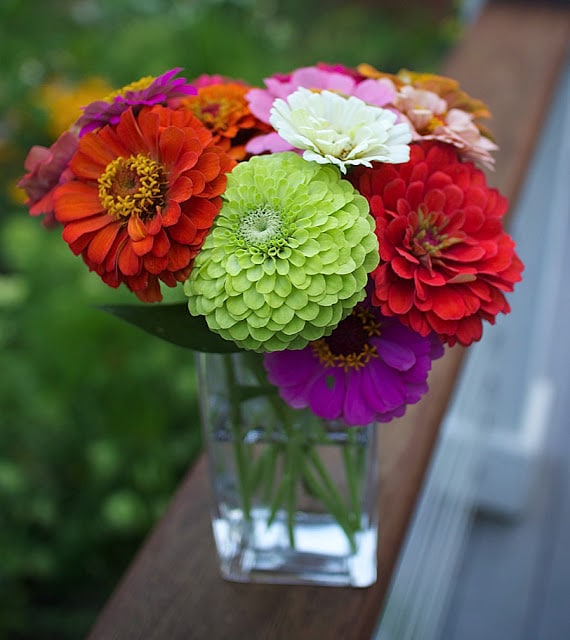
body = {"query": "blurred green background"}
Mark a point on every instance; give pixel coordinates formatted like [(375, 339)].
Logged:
[(98, 421)]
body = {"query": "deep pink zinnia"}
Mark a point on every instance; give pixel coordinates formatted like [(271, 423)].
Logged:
[(369, 369), (206, 80), (341, 68), (47, 168), (146, 91)]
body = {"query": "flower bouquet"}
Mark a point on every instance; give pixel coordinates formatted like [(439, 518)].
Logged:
[(329, 233)]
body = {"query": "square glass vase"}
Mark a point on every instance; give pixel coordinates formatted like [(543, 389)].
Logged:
[(294, 496)]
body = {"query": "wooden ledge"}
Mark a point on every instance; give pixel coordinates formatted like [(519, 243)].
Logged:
[(511, 58)]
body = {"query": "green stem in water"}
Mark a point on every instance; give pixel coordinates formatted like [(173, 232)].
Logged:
[(349, 454), (300, 460), (332, 499), (291, 475), (236, 423)]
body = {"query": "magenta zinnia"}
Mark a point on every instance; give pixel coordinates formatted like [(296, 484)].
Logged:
[(143, 197), (147, 91), (445, 259), (369, 369)]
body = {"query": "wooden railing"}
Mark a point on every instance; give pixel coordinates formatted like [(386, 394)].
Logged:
[(511, 58)]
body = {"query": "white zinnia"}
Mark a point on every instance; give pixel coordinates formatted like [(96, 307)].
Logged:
[(332, 128)]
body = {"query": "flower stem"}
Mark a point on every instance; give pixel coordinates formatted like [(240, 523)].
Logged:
[(332, 499), (236, 423), (290, 460), (349, 453), (291, 475)]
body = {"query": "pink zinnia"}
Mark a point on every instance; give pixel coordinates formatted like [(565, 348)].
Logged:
[(369, 369), (373, 91), (146, 91)]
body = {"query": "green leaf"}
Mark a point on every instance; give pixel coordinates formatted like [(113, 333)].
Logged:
[(173, 323)]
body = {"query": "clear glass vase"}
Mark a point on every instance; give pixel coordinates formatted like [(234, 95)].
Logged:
[(294, 496)]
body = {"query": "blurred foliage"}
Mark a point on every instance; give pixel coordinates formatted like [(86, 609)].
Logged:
[(98, 421)]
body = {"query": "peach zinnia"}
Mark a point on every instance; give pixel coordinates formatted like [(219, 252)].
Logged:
[(438, 109), (445, 259), (143, 196)]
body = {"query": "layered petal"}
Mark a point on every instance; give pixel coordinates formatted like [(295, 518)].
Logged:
[(342, 131), (288, 255), (369, 369), (331, 78), (140, 198), (144, 92), (47, 168), (222, 106), (446, 260)]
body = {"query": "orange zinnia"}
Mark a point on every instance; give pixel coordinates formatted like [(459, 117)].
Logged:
[(142, 198), (224, 110)]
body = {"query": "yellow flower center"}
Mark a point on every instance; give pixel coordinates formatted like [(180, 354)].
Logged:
[(434, 122), (219, 106), (349, 345), (137, 85), (429, 237), (132, 186), (214, 113), (429, 240)]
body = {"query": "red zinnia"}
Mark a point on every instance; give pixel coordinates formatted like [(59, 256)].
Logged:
[(143, 196), (445, 257)]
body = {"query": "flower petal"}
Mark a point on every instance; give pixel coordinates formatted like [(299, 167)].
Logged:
[(75, 200)]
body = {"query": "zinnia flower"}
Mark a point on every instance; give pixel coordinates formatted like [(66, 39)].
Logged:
[(438, 109), (442, 86), (378, 92), (206, 80), (370, 368), (431, 119), (146, 91), (340, 68), (224, 110), (445, 259), (142, 198), (46, 169), (338, 130), (288, 255)]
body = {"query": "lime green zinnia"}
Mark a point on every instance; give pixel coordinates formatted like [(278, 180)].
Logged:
[(287, 257)]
